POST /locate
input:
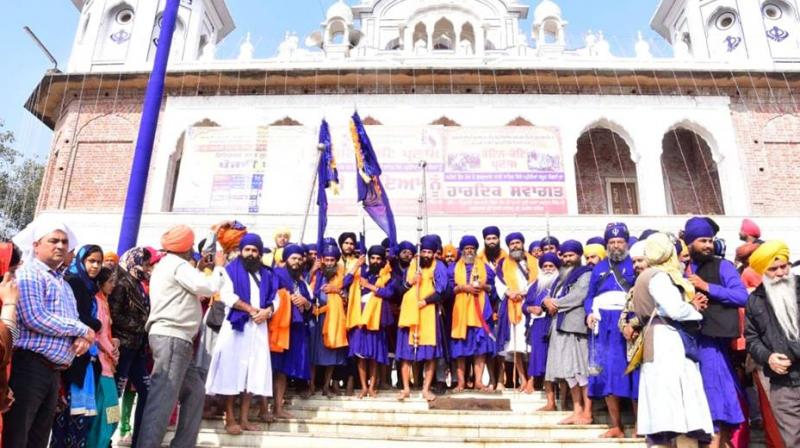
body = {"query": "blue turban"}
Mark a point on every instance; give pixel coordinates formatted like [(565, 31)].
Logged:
[(468, 240), (616, 230), (549, 257), (330, 250), (572, 246), (429, 242), (386, 243), (491, 230), (407, 245), (596, 240), (720, 247), (292, 249), (699, 227), (377, 250), (514, 236), (550, 241), (646, 234), (310, 247), (329, 242), (438, 240), (252, 239), (196, 257), (534, 245)]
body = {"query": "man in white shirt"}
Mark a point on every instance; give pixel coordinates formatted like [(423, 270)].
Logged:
[(175, 318)]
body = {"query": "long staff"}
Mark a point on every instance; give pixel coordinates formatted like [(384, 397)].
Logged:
[(320, 149)]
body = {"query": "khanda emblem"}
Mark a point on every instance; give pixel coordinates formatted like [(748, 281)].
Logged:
[(777, 34), (733, 43)]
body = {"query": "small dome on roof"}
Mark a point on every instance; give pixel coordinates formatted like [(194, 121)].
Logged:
[(340, 10), (545, 10)]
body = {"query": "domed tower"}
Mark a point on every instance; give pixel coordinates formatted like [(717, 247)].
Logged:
[(549, 28), (727, 30), (123, 35)]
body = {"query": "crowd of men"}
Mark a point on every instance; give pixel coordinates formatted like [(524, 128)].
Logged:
[(660, 322)]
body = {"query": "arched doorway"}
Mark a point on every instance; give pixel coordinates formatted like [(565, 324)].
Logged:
[(605, 174), (691, 178)]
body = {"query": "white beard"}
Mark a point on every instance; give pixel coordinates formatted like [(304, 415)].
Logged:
[(545, 281), (782, 296)]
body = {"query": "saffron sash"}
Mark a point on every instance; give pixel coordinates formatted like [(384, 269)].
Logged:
[(511, 271), (370, 317), (465, 310), (280, 324), (419, 321), (334, 330)]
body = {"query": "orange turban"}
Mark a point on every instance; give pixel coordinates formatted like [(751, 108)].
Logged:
[(766, 254), (230, 236), (178, 239), (111, 256), (450, 251)]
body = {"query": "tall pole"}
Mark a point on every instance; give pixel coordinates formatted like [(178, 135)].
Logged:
[(134, 202), (320, 149)]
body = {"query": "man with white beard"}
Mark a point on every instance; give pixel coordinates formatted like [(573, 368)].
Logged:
[(539, 333), (517, 273), (773, 334)]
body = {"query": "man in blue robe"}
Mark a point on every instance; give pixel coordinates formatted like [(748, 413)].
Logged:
[(718, 280), (611, 280)]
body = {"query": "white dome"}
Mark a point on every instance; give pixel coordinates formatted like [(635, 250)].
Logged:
[(545, 10), (340, 10)]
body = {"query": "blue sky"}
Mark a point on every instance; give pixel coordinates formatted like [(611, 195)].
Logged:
[(266, 20)]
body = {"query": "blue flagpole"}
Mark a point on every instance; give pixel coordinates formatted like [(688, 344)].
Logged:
[(134, 202)]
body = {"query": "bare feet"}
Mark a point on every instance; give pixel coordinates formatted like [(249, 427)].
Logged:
[(327, 392), (569, 420), (283, 415), (458, 389), (405, 393), (307, 393), (427, 395), (233, 429), (549, 407), (362, 394), (372, 393), (583, 421), (613, 433), (266, 418), (247, 426)]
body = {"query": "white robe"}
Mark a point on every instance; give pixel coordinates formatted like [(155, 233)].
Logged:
[(671, 395), (517, 342), (240, 361)]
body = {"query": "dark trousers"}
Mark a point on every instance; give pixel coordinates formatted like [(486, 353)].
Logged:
[(35, 384), (786, 406), (132, 368)]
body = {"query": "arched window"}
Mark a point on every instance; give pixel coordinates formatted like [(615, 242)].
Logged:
[(605, 174), (467, 44), (420, 37), (444, 35), (691, 178), (336, 32), (552, 32)]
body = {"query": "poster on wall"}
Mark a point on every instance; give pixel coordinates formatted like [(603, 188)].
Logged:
[(222, 170), (478, 171), (497, 171)]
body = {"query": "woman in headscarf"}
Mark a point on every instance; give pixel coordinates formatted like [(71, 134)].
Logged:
[(672, 402), (71, 426), (10, 258), (130, 308), (105, 424)]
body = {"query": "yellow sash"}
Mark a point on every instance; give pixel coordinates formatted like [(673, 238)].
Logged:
[(464, 313), (371, 316), (334, 330), (510, 272), (280, 324), (419, 321)]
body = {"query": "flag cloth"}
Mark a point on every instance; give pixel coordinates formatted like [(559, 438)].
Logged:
[(371, 193), (328, 177)]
